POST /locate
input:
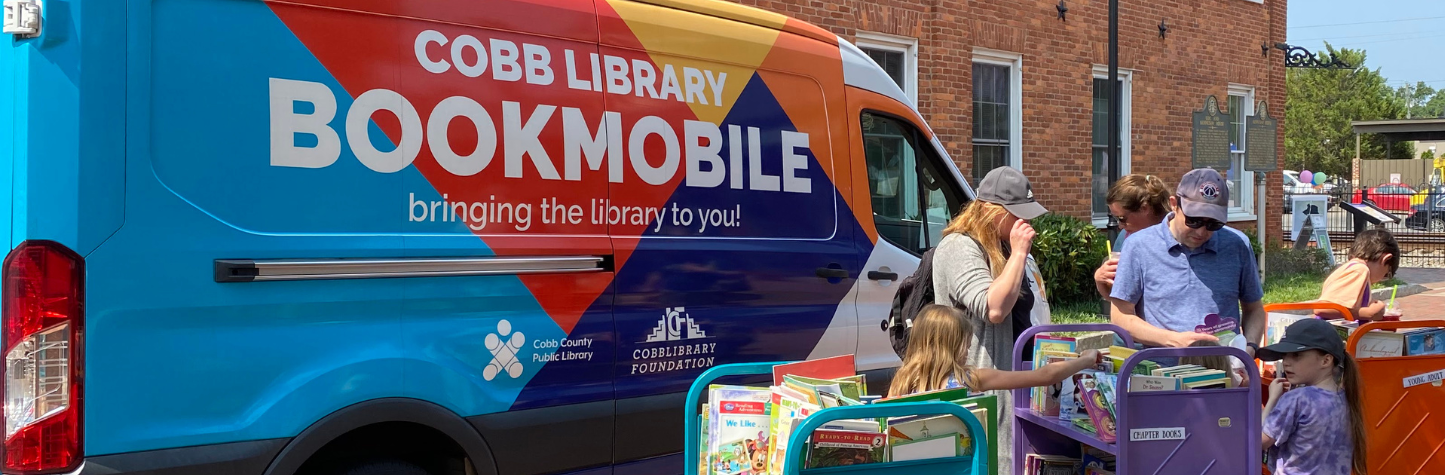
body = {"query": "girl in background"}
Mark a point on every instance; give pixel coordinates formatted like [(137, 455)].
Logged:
[(935, 360)]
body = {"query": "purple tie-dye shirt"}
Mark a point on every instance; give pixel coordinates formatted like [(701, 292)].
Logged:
[(1311, 433)]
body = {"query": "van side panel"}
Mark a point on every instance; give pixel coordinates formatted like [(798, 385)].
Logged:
[(177, 359), (370, 129), (67, 147)]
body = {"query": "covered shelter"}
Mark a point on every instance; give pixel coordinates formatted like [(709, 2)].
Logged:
[(1399, 130)]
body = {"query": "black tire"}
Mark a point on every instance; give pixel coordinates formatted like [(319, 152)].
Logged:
[(1437, 225), (382, 467)]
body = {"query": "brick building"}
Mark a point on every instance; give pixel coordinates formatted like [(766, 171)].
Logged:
[(1007, 82)]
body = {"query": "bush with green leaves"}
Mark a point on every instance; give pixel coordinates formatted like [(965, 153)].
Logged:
[(1283, 260), (1068, 250)]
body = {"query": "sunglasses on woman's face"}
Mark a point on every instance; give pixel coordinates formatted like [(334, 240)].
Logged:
[(1206, 223)]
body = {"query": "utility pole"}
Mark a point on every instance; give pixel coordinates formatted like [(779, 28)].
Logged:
[(1111, 154)]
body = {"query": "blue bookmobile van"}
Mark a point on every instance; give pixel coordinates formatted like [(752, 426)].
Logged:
[(432, 237)]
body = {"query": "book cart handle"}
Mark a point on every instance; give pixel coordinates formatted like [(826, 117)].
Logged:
[(1311, 306), (691, 431), (1355, 337), (1121, 390), (798, 445)]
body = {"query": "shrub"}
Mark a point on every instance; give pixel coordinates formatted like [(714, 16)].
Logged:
[(1253, 240), (1068, 250), (1283, 260)]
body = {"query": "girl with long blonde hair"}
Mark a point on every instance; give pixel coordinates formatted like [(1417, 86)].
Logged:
[(935, 359)]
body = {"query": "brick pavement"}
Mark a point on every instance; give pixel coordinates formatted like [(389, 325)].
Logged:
[(1427, 305)]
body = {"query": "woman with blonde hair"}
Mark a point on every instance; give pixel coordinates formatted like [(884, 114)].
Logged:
[(979, 268)]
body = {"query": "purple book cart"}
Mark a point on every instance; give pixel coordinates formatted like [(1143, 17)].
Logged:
[(1206, 432)]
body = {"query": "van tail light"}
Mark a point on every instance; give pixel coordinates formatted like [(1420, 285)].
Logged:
[(42, 336)]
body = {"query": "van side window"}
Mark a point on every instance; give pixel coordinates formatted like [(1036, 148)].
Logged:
[(912, 198)]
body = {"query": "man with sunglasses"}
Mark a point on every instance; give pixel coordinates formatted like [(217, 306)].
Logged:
[(1181, 270)]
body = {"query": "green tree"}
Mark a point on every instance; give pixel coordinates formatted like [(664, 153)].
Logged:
[(1434, 108), (1321, 104), (1427, 155)]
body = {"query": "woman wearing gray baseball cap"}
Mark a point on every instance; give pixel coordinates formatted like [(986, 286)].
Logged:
[(980, 268)]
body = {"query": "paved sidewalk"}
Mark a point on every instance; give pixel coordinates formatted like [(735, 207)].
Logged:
[(1429, 305)]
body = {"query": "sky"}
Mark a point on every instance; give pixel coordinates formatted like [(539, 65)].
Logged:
[(1402, 38)]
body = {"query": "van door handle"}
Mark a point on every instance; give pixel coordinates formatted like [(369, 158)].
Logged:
[(878, 275), (831, 273)]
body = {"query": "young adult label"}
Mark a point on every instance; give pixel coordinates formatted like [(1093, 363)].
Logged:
[(1425, 378), (1157, 433)]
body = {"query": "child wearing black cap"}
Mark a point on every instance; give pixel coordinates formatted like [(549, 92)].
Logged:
[(1313, 423)]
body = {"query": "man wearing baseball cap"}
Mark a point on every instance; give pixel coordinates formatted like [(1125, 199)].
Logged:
[(1181, 270)]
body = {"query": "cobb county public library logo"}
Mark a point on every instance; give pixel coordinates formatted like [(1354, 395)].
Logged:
[(675, 325), (504, 345)]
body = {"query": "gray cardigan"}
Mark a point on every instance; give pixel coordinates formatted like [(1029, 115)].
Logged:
[(960, 279)]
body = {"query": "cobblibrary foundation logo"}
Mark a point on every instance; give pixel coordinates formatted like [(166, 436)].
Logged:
[(675, 325), (684, 351), (504, 345)]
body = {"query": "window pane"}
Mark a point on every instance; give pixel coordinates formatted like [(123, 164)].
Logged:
[(991, 124), (906, 193), (1236, 190), (1236, 123), (986, 158), (1100, 178), (892, 63)]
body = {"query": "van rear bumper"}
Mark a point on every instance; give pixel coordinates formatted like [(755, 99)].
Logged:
[(237, 458)]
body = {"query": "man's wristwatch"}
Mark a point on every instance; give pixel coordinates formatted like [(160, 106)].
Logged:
[(1253, 347)]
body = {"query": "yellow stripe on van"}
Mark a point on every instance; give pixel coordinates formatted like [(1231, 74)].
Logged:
[(728, 10), (681, 39)]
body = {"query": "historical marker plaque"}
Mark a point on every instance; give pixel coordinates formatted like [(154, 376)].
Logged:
[(1261, 151), (1211, 137)]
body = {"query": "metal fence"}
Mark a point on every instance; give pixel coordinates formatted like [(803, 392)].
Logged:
[(1419, 209)]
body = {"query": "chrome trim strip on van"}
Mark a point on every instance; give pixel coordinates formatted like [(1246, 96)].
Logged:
[(249, 270)]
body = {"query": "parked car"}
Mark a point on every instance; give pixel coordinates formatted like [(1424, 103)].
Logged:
[(1389, 197), (1425, 193), (1428, 216)]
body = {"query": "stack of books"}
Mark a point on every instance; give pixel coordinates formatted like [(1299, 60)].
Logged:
[(1388, 343), (1175, 378), (1051, 348), (804, 388), (1036, 464), (746, 430), (1117, 354)]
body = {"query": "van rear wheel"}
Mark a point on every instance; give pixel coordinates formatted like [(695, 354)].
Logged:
[(383, 467)]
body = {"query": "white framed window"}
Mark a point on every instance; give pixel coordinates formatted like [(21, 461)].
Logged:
[(1241, 183), (997, 111), (897, 55), (1100, 166)]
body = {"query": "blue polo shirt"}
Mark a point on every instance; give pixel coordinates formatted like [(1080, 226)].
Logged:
[(1177, 287)]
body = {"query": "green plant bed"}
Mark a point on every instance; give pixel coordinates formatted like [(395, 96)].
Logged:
[(1304, 287), (1077, 312)]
